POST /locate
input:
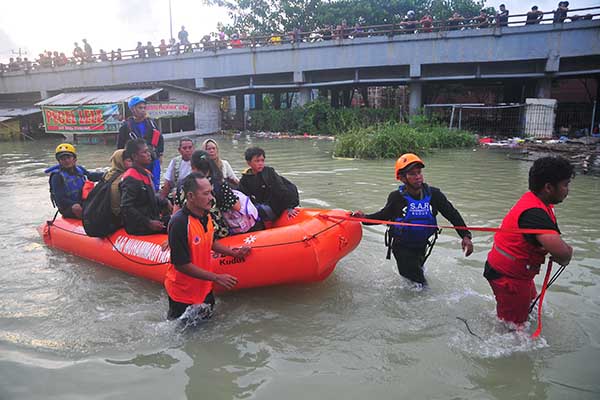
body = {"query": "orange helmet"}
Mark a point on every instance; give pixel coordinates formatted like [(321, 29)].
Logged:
[(406, 160)]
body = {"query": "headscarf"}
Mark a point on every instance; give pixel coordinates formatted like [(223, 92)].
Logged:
[(117, 164), (217, 160)]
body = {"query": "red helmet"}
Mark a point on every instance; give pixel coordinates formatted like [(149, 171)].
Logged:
[(405, 161)]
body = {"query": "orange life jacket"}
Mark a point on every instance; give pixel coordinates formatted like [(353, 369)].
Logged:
[(511, 254), (182, 287), (137, 175)]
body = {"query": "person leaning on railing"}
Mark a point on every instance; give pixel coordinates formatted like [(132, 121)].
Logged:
[(502, 16), (534, 16), (455, 22), (482, 20), (426, 23), (560, 14)]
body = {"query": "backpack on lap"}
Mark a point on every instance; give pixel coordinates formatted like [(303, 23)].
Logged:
[(97, 212)]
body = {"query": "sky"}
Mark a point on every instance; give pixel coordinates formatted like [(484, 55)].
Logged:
[(37, 25)]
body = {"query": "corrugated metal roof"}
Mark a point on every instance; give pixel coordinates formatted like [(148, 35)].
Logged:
[(2, 119), (97, 97), (18, 112)]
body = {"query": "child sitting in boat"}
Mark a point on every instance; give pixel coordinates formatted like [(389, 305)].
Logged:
[(67, 180), (271, 193)]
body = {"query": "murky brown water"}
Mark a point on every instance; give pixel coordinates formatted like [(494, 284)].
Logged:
[(71, 329)]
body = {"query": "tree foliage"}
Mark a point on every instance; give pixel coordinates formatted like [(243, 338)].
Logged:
[(268, 16)]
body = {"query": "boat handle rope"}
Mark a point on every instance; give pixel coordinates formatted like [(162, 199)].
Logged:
[(50, 223), (303, 240)]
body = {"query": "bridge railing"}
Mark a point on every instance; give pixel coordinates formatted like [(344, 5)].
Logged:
[(338, 34)]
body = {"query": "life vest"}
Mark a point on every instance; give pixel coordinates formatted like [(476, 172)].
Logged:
[(153, 140), (182, 287), (138, 176), (415, 212), (511, 254), (73, 183)]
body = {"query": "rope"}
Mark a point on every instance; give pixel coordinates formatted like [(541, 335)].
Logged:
[(303, 240), (469, 328), (538, 331), (552, 280), (109, 241), (460, 228)]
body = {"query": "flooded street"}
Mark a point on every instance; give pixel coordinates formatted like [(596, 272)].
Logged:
[(72, 329)]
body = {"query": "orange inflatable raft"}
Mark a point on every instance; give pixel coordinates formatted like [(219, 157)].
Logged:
[(298, 250)]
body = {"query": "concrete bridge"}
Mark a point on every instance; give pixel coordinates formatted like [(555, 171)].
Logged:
[(540, 52)]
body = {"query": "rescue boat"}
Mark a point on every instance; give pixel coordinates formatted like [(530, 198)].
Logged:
[(303, 249)]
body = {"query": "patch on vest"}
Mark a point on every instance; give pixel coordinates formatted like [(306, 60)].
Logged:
[(196, 240)]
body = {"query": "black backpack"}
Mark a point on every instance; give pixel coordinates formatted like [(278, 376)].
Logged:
[(98, 220), (293, 190)]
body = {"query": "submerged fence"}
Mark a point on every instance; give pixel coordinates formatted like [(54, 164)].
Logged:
[(510, 120)]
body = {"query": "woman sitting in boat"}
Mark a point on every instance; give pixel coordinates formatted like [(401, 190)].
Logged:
[(119, 165), (225, 199), (212, 148), (67, 180)]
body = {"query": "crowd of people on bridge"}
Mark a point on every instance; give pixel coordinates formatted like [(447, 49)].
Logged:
[(411, 23)]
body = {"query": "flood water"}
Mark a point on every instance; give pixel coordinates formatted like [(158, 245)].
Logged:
[(72, 329)]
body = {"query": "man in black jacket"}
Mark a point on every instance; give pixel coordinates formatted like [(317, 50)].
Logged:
[(270, 193), (415, 202), (140, 207), (140, 126)]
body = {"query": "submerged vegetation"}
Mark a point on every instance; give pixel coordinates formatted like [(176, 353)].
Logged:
[(362, 132), (390, 139), (319, 118)]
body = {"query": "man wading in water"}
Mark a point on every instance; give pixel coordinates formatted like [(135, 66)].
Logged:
[(515, 258), (190, 277), (416, 202)]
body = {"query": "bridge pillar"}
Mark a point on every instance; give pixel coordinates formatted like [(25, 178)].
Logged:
[(304, 96), (415, 100), (44, 94), (240, 110), (543, 88), (277, 100), (258, 101)]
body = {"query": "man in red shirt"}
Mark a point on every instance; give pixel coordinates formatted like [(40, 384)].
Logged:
[(515, 258)]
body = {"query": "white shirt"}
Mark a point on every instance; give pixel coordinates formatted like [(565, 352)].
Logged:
[(185, 168), (228, 171)]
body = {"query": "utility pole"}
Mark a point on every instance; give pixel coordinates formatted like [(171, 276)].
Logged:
[(170, 20)]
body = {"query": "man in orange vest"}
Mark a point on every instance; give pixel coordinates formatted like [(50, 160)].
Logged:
[(515, 258), (190, 276)]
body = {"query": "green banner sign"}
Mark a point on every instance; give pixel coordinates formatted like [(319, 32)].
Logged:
[(92, 118)]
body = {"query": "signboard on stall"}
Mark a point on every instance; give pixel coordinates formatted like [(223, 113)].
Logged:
[(167, 110), (89, 118)]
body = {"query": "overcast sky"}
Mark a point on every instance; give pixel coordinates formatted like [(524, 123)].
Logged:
[(37, 25)]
